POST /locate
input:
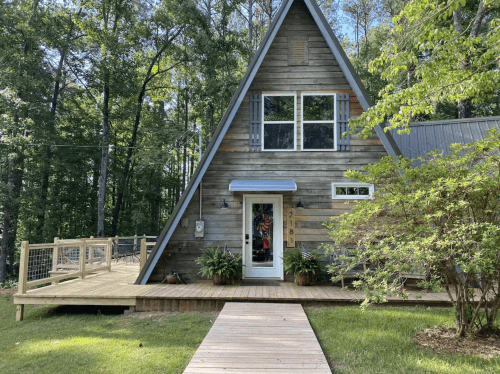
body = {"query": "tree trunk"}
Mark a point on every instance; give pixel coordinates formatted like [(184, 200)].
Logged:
[(103, 176), (52, 121), (250, 25), (184, 140), (156, 210), (10, 212), (464, 107)]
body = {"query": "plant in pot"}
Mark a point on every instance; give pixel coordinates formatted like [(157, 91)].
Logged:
[(305, 266), (220, 265)]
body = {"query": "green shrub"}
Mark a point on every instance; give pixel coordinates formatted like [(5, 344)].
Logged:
[(217, 262), (295, 263)]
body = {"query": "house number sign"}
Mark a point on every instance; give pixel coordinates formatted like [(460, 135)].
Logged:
[(290, 227)]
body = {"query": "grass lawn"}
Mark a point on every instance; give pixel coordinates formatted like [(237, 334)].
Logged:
[(96, 343), (380, 340)]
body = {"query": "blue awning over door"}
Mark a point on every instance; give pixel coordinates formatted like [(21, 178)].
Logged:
[(262, 185)]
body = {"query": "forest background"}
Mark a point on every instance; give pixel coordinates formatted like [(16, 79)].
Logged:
[(102, 101)]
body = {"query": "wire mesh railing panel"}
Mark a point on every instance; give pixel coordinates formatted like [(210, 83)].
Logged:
[(95, 255), (68, 256), (39, 264)]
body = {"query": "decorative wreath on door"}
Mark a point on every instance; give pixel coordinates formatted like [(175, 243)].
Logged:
[(262, 222)]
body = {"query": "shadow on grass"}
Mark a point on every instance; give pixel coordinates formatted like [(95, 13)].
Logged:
[(86, 309)]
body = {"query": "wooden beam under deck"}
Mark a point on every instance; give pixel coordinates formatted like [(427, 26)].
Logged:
[(117, 288)]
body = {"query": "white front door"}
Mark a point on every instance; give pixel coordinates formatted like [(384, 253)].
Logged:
[(263, 236)]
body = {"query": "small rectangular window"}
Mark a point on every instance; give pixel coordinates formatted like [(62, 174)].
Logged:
[(278, 130), (352, 190), (318, 122)]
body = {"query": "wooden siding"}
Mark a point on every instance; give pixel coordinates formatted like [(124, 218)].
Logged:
[(312, 171)]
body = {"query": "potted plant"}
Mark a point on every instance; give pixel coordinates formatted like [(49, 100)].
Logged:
[(304, 265), (220, 265)]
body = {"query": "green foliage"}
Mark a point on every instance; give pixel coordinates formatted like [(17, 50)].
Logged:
[(428, 60), (442, 215), (295, 263), (214, 261)]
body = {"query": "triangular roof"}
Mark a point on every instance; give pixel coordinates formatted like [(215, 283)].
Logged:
[(350, 74)]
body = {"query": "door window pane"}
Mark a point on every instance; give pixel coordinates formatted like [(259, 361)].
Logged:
[(262, 235)]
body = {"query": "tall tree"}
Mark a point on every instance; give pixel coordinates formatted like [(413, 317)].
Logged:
[(425, 39), (363, 14), (170, 23)]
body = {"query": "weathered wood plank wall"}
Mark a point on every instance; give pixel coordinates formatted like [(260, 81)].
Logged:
[(312, 171)]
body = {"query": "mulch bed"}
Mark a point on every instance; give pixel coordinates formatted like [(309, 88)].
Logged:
[(444, 340)]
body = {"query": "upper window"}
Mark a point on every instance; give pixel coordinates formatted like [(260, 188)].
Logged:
[(278, 130), (318, 122), (352, 190)]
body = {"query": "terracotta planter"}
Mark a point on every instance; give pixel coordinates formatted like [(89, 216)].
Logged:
[(304, 279), (219, 280)]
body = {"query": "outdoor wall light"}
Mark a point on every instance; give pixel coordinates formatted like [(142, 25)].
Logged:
[(300, 205), (224, 205)]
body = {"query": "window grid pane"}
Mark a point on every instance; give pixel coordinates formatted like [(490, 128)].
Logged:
[(279, 108), (318, 134), (279, 136), (352, 190), (319, 108)]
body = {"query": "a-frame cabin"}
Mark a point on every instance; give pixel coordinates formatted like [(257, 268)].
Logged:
[(274, 169)]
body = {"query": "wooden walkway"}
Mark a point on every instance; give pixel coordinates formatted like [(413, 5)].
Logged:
[(117, 288), (260, 338)]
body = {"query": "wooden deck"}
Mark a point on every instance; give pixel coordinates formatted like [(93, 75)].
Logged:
[(260, 338), (117, 288)]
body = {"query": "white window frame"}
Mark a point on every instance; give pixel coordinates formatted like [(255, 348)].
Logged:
[(371, 190), (294, 94), (335, 141)]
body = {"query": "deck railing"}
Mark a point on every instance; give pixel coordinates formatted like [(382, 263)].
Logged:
[(144, 253), (50, 263), (128, 247), (63, 259)]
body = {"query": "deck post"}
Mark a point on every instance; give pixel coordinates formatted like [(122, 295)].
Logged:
[(19, 312), (142, 254), (23, 267), (135, 247), (55, 259), (23, 278), (116, 253), (83, 256), (109, 250)]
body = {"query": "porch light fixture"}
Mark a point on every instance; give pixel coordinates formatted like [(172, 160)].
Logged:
[(300, 205), (224, 205)]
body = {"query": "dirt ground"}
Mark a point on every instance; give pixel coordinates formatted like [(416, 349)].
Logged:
[(8, 291), (444, 340)]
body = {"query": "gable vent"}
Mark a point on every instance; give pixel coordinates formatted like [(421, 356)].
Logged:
[(298, 50)]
